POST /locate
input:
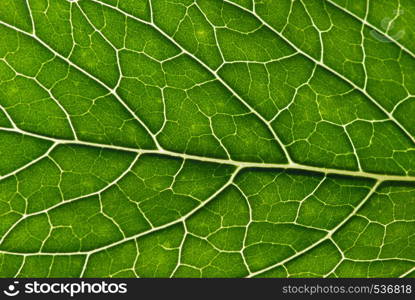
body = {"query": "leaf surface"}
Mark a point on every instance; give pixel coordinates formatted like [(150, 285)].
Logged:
[(207, 138)]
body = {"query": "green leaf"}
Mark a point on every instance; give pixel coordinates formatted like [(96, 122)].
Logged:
[(207, 138)]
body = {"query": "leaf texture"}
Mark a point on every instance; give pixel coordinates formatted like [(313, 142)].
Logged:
[(207, 138)]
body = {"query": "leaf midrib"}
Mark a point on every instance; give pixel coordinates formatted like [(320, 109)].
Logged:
[(236, 163)]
